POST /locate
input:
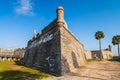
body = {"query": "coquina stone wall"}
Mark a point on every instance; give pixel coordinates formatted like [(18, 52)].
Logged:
[(96, 54), (11, 53), (56, 50), (72, 51), (44, 52)]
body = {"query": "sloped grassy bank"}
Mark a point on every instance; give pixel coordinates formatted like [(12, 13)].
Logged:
[(14, 70)]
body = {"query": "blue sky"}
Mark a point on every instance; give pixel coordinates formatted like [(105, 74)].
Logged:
[(18, 19)]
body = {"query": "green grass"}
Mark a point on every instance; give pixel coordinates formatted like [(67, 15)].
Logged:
[(14, 70), (89, 60)]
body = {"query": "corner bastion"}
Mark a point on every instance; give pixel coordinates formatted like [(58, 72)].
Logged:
[(55, 49)]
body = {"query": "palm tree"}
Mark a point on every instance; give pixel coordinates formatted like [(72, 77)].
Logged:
[(116, 41), (99, 35)]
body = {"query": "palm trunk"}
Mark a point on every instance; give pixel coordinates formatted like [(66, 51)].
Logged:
[(118, 51), (100, 49), (100, 44)]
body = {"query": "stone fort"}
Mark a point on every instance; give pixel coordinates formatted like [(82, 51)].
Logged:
[(57, 51)]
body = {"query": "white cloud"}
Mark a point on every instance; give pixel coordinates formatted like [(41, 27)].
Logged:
[(25, 7)]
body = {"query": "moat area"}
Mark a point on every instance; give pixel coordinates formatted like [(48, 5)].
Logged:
[(94, 70)]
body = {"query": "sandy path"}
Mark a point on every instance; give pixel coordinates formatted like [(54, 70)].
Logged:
[(95, 70)]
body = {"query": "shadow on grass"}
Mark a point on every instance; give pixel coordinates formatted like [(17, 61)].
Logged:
[(17, 75), (19, 63), (115, 58), (42, 74)]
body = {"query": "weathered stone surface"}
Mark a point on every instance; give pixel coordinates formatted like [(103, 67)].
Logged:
[(72, 51), (45, 55), (12, 53), (55, 49), (107, 54)]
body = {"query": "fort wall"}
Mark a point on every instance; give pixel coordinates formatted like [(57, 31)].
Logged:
[(95, 54), (72, 51), (44, 52), (56, 50), (7, 54)]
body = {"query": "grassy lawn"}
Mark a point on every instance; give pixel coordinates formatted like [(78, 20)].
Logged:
[(14, 70)]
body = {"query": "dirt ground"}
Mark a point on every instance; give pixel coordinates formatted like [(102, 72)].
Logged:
[(94, 70)]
